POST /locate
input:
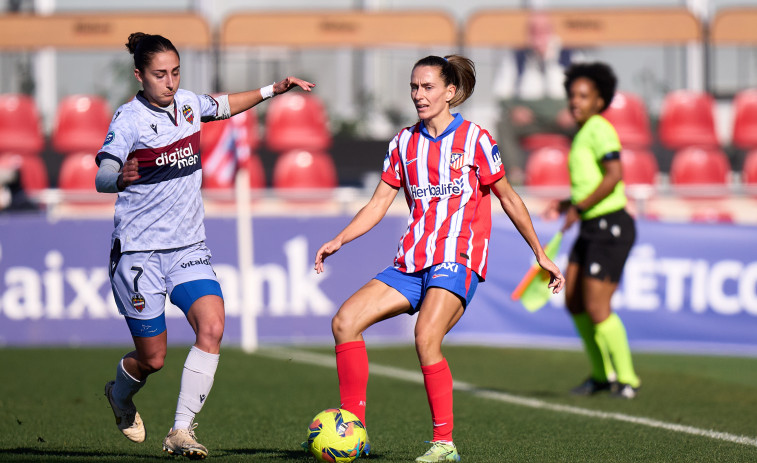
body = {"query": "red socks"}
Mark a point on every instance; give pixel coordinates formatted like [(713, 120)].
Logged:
[(352, 370), (438, 381)]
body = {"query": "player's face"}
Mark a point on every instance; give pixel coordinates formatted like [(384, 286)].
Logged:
[(160, 78), (584, 100), (429, 93)]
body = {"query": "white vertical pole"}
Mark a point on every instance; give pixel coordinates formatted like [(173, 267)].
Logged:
[(245, 248), (695, 52), (45, 78)]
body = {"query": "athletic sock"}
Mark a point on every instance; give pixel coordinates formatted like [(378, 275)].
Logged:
[(438, 381), (596, 349), (196, 381), (613, 333), (125, 387), (352, 370)]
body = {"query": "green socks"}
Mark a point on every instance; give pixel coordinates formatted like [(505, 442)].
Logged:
[(612, 333), (601, 366)]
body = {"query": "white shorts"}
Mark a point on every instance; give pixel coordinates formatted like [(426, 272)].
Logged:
[(142, 279)]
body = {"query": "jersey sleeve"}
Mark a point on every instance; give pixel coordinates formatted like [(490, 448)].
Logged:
[(121, 139), (605, 139), (487, 159), (210, 108), (393, 164)]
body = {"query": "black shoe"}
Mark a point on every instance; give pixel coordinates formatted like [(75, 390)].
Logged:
[(591, 386)]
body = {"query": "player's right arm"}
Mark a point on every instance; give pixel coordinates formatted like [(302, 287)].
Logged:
[(110, 180), (366, 218), (115, 170)]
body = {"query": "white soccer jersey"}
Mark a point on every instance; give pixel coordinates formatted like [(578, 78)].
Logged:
[(163, 209)]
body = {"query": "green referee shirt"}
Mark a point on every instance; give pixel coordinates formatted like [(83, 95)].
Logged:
[(596, 139)]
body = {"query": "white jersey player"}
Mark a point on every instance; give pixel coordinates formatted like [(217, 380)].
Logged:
[(151, 158)]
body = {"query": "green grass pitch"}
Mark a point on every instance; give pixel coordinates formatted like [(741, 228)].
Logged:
[(52, 407)]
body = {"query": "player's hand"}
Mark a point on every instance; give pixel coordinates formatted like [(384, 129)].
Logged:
[(326, 250), (289, 83), (129, 174), (557, 280)]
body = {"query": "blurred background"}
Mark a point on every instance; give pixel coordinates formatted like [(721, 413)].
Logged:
[(686, 113)]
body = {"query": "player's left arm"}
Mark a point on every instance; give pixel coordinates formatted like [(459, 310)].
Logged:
[(242, 101), (613, 174), (514, 207)]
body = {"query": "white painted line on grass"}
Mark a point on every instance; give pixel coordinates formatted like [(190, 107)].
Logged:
[(312, 358)]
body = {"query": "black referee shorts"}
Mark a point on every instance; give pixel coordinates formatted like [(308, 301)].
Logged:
[(603, 245)]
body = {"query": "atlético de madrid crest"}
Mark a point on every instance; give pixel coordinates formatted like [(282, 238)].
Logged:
[(457, 160), (188, 114)]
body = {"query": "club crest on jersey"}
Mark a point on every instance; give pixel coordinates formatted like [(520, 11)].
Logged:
[(138, 302), (188, 114), (457, 160)]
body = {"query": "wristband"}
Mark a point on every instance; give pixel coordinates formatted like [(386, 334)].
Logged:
[(267, 92)]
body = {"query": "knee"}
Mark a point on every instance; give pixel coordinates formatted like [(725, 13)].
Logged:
[(151, 364), (340, 325), (426, 343), (211, 331), (343, 325)]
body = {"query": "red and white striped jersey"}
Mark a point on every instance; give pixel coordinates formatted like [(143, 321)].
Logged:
[(446, 183)]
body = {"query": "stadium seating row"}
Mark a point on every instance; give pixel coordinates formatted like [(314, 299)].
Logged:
[(296, 127), (691, 166)]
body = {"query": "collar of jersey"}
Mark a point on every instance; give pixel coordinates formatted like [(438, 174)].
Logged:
[(141, 98), (450, 128)]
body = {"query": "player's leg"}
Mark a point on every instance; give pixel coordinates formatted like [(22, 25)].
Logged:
[(610, 330), (443, 305), (608, 258), (140, 297), (206, 316), (602, 374), (372, 303), (195, 290), (131, 375)]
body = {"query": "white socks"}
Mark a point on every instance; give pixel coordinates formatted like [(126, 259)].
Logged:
[(196, 381), (125, 387)]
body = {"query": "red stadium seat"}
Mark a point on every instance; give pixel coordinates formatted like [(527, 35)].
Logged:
[(302, 169), (745, 119), (297, 121), (31, 169), (749, 170), (628, 115), (20, 130), (687, 119), (639, 166), (77, 172), (699, 166), (81, 123), (544, 140), (548, 167)]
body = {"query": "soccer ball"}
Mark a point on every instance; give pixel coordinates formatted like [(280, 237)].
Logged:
[(336, 436)]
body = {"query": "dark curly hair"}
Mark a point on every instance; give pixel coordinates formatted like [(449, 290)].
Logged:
[(600, 73)]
